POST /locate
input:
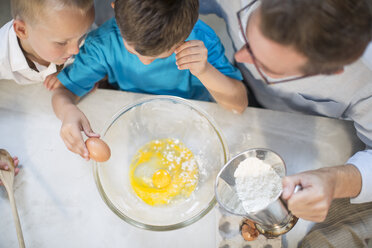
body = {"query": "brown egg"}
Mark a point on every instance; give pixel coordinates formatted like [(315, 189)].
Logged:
[(249, 231), (98, 149)]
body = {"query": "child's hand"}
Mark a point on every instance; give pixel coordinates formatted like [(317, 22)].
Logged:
[(73, 123), (192, 55), (4, 166), (51, 82)]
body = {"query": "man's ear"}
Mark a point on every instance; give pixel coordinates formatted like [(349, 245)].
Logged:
[(113, 5), (20, 29)]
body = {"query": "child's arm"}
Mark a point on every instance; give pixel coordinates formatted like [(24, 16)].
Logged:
[(228, 92), (73, 121)]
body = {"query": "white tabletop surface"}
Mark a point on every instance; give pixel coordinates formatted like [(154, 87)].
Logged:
[(58, 208)]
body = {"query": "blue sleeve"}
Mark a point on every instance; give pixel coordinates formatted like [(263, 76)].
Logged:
[(87, 69), (216, 51)]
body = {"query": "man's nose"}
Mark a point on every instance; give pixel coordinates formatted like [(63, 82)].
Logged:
[(243, 56)]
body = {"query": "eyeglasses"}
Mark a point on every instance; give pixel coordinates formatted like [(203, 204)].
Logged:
[(240, 14)]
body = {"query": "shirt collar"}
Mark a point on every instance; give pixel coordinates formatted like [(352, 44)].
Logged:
[(17, 58)]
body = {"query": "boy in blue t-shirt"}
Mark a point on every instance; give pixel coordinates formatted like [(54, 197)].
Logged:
[(155, 47)]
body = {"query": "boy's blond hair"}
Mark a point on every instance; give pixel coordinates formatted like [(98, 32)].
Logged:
[(31, 10)]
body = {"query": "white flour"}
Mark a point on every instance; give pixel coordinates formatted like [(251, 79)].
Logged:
[(257, 184)]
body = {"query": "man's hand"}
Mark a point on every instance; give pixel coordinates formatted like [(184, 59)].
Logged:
[(319, 188), (192, 55), (72, 124), (4, 166), (51, 82), (313, 201)]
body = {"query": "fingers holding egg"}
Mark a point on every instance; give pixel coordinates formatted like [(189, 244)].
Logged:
[(98, 149)]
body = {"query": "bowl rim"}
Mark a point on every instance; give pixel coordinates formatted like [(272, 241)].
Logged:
[(112, 206), (242, 153)]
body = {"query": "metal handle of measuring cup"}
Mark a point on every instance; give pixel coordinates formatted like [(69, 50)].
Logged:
[(292, 219), (296, 189)]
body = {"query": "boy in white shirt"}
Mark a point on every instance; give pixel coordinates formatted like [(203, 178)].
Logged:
[(42, 38)]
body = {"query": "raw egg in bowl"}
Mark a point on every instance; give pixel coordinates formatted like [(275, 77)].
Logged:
[(165, 155)]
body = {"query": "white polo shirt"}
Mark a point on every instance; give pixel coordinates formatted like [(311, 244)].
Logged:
[(13, 64)]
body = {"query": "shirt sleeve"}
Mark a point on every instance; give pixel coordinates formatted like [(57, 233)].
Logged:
[(363, 161), (360, 112), (217, 58), (216, 51), (87, 69)]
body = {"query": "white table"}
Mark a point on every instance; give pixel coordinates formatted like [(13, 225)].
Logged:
[(62, 209)]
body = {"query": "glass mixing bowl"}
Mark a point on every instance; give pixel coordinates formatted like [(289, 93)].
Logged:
[(157, 118)]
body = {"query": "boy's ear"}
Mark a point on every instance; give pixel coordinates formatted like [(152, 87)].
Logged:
[(113, 5), (20, 29)]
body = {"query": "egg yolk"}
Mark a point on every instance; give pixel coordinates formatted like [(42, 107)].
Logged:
[(163, 171), (161, 178)]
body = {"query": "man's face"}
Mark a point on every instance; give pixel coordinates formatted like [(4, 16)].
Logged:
[(275, 60), (146, 60), (57, 36)]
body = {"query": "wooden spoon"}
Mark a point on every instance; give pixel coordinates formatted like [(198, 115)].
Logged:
[(7, 177)]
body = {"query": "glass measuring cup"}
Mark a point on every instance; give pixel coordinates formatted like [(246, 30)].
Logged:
[(273, 220)]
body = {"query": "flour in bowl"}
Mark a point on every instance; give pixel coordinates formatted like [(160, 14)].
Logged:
[(257, 184)]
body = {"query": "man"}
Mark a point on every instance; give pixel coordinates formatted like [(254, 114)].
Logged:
[(315, 44)]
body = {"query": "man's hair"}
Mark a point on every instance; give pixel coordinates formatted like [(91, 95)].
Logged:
[(155, 26), (31, 10), (330, 33)]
